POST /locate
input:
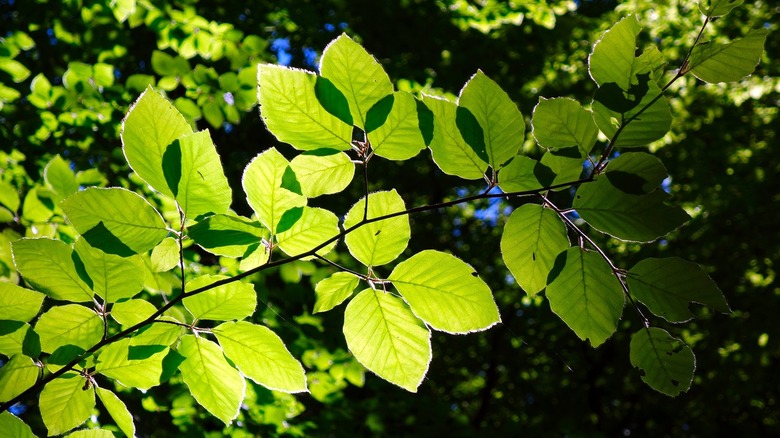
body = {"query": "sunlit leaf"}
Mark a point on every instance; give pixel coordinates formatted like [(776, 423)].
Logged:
[(227, 235), (113, 277), (713, 62), (717, 8), (263, 183), (668, 286), (131, 312), (234, 300), (261, 355), (138, 366), (612, 59), (380, 242), (212, 381), (14, 426), (118, 411), (48, 266), (386, 337), (333, 290), (323, 172), (667, 363), (445, 292), (17, 375), (585, 294), (636, 173), (532, 239), (357, 74), (18, 303), (66, 403), (399, 137), (562, 123), (165, 256), (59, 176), (314, 227), (70, 324)]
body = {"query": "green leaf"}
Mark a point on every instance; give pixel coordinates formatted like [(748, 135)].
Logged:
[(163, 333), (292, 112), (667, 363), (357, 74), (717, 8), (66, 403), (135, 366), (449, 150), (70, 324), (262, 182), (165, 256), (668, 286), (387, 338), (523, 174), (445, 292), (730, 62), (9, 196), (91, 433), (18, 303), (117, 410), (14, 427), (562, 123), (60, 177), (636, 173), (585, 294), (18, 338), (323, 172), (131, 312), (381, 242), (399, 137), (151, 125), (501, 121), (16, 376), (314, 227), (261, 355), (612, 59), (333, 290), (213, 383), (639, 218), (230, 301), (194, 175), (115, 220), (533, 237), (113, 277), (227, 235), (48, 266)]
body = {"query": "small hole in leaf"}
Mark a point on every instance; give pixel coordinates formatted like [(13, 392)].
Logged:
[(675, 382), (475, 274)]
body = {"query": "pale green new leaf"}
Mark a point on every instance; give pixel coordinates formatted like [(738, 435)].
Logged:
[(717, 8), (261, 355), (113, 277), (612, 59), (227, 235), (668, 364), (212, 381), (355, 73), (323, 172), (264, 185), (48, 266), (639, 218), (380, 242), (399, 137), (563, 123), (194, 174), (14, 426), (668, 286), (291, 111), (135, 366), (65, 403), (730, 62), (533, 237), (586, 295), (131, 312), (115, 220), (333, 290), (18, 303), (14, 336), (60, 177), (445, 292), (502, 123), (165, 256), (70, 324), (235, 300), (313, 228), (117, 410), (92, 433), (17, 375), (448, 148), (387, 338), (151, 125), (158, 333)]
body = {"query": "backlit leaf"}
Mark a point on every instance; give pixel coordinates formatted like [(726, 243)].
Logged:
[(667, 363), (230, 301), (48, 266), (333, 290), (14, 426), (70, 324), (59, 176), (585, 294), (668, 286), (263, 184), (445, 292), (212, 381), (65, 403), (165, 256), (387, 338), (714, 62), (131, 312), (380, 242), (117, 410), (261, 355), (532, 239), (323, 172), (18, 303), (717, 8), (113, 277), (135, 366), (314, 227), (17, 375), (399, 137), (227, 235), (562, 123), (612, 59), (636, 173)]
